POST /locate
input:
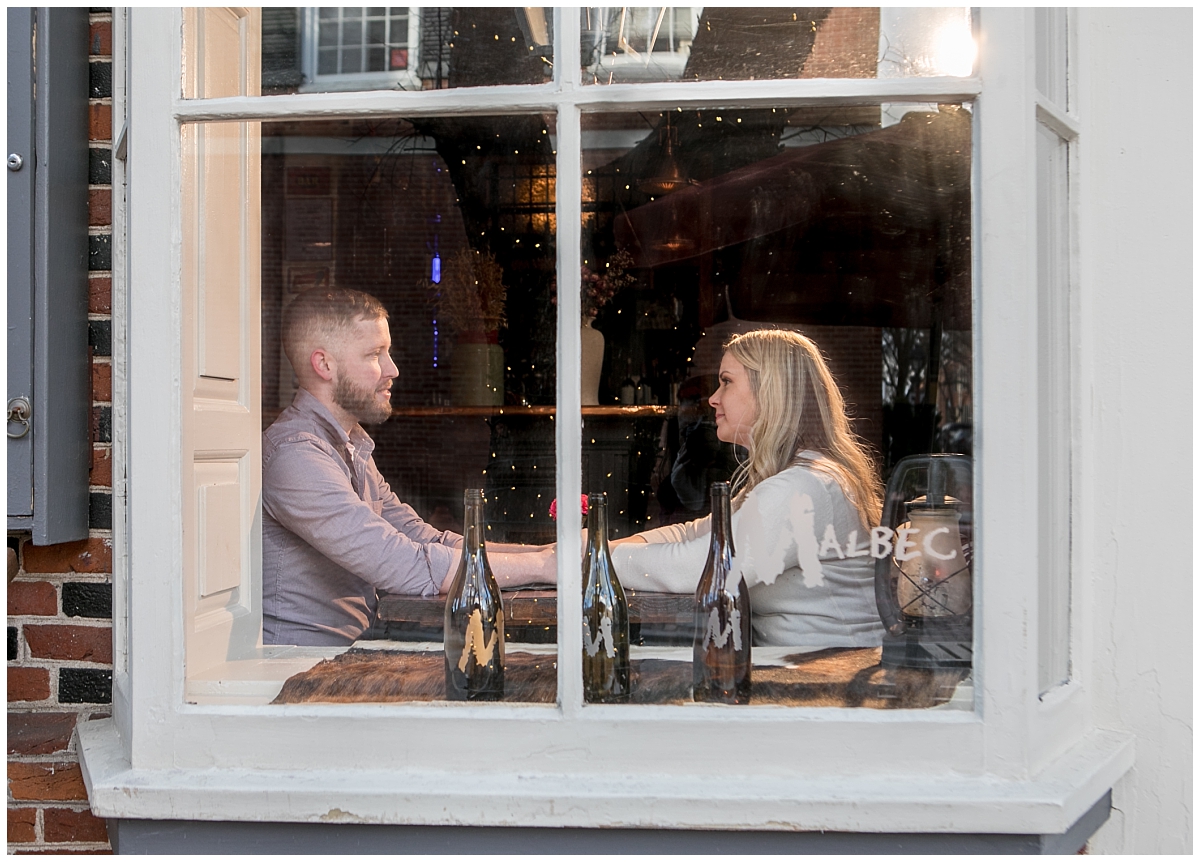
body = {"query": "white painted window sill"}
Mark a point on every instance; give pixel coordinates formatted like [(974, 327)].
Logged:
[(1047, 803)]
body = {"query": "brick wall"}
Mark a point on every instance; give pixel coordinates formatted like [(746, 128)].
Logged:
[(60, 604)]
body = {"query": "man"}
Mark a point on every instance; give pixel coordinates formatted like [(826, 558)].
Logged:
[(333, 531)]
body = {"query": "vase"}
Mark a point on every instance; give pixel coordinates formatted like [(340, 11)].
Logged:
[(477, 371), (591, 360)]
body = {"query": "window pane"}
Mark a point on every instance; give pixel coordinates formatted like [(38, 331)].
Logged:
[(1054, 439), (453, 47), (851, 227), (448, 223), (352, 60), (627, 44), (327, 61)]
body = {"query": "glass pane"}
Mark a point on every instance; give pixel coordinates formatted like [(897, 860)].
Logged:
[(629, 44), (453, 47), (849, 229), (1054, 439), (448, 223)]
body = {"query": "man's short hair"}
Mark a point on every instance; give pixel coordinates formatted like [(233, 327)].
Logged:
[(318, 316)]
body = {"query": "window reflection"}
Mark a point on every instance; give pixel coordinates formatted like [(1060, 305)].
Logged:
[(448, 222), (848, 225), (330, 48), (632, 44)]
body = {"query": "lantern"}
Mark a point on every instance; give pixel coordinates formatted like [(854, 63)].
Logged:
[(923, 584)]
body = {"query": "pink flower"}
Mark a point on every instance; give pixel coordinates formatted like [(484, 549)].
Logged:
[(554, 506)]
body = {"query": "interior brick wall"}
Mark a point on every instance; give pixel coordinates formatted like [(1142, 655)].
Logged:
[(60, 603)]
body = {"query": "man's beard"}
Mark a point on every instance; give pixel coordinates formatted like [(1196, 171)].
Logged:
[(360, 403)]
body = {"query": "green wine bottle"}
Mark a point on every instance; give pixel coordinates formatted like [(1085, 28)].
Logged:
[(605, 615), (721, 650), (473, 634)]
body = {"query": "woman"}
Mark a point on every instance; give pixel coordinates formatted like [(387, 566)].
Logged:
[(806, 499)]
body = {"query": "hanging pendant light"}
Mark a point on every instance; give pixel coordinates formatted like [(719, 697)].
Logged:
[(669, 176)]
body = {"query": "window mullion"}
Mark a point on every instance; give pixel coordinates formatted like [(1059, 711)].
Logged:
[(569, 430)]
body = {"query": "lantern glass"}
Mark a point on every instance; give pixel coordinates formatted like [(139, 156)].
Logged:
[(923, 587), (935, 579)]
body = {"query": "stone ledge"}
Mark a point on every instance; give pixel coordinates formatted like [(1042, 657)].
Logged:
[(1047, 804)]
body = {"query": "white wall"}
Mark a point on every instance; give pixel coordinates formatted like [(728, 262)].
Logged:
[(1136, 337)]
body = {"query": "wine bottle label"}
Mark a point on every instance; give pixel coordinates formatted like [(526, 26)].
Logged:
[(592, 643), (717, 637), (475, 643)]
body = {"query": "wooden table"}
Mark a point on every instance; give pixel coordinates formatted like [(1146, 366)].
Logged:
[(531, 616), (374, 672), (401, 660)]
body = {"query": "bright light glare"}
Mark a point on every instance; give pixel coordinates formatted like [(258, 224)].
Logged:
[(954, 51)]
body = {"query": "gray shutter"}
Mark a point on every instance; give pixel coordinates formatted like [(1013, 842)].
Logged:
[(47, 272)]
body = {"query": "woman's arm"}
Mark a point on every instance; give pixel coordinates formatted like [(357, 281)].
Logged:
[(780, 525)]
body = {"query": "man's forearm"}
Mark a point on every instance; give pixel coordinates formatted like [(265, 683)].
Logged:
[(516, 570)]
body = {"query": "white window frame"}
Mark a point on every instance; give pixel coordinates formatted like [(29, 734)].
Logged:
[(1017, 763), (314, 82)]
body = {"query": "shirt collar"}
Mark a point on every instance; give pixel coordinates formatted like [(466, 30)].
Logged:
[(306, 402)]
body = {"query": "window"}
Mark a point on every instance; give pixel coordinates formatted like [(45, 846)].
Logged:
[(1056, 132), (352, 47), (568, 750)]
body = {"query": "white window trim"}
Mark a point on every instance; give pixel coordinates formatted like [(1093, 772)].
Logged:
[(1015, 764), (402, 79)]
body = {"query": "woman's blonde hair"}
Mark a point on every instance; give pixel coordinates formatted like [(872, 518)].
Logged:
[(800, 408)]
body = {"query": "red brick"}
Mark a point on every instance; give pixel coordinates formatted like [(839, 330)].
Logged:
[(101, 467), (28, 683), (47, 782), (100, 41), (99, 122), (86, 556), (31, 733), (60, 825), (846, 46), (22, 825), (70, 643), (100, 294), (100, 207), (36, 598), (101, 381)]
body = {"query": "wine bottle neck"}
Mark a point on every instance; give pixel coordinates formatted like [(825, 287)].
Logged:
[(597, 524), (722, 528), (473, 526)]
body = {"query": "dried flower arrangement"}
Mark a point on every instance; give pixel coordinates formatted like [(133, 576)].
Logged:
[(470, 297), (595, 290)]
